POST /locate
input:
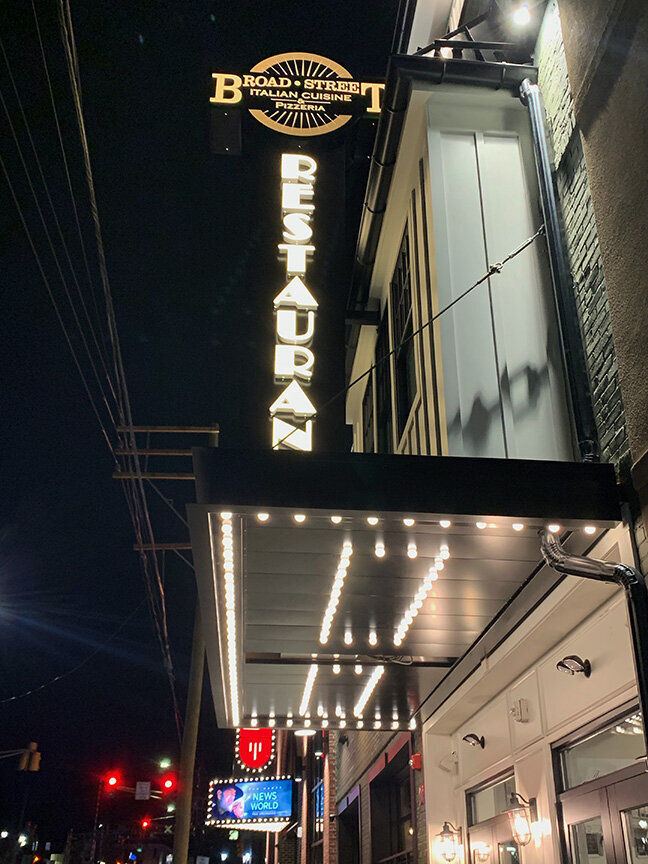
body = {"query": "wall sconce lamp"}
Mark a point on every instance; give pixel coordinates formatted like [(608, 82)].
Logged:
[(481, 852), (521, 814), (572, 665), (474, 740), (450, 840)]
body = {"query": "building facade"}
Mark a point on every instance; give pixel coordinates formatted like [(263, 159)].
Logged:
[(487, 373), (452, 618)]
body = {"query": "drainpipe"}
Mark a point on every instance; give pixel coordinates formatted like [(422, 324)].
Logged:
[(570, 335), (636, 593)]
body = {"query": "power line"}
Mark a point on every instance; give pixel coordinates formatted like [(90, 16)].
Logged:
[(493, 270), (79, 665)]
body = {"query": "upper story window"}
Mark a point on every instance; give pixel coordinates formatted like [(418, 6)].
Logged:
[(383, 390), (609, 748), (402, 329), (368, 417), (490, 801)]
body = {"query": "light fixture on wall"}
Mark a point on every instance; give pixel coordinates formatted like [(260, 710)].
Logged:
[(449, 842), (481, 852), (572, 665), (521, 814), (474, 740)]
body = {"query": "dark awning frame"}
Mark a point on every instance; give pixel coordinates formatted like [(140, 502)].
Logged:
[(429, 488)]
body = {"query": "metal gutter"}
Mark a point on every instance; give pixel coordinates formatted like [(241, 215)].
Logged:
[(402, 72), (634, 586), (567, 315)]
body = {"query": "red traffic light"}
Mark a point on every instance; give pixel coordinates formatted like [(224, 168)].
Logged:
[(168, 783), (112, 779), (146, 823)]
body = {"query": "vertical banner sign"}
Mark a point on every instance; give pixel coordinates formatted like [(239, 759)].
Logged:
[(292, 411)]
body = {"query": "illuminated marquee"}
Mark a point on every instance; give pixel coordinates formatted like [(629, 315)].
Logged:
[(295, 308), (255, 748), (298, 93)]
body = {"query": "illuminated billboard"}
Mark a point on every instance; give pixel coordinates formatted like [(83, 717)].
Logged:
[(245, 802)]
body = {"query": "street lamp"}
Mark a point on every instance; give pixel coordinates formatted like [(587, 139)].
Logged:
[(521, 814)]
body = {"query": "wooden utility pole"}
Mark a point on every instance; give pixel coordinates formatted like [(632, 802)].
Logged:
[(188, 749)]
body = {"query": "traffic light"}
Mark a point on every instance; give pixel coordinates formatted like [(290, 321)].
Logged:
[(30, 758), (112, 779), (168, 784), (145, 824)]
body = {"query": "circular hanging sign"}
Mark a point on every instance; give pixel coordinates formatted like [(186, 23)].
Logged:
[(298, 93), (310, 77), (255, 747)]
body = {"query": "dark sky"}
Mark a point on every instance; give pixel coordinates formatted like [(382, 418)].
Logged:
[(190, 244)]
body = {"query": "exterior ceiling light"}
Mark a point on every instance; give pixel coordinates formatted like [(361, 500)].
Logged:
[(589, 529), (336, 668), (409, 522), (573, 665), (263, 517), (376, 675), (348, 637), (445, 523), (522, 15), (424, 589), (308, 687), (518, 526), (379, 549), (474, 740), (521, 814), (336, 591), (304, 733), (372, 520), (412, 551), (480, 525), (336, 520), (449, 842), (373, 637), (299, 517), (554, 528)]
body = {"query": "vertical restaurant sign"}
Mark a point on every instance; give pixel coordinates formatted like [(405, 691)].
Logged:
[(292, 411), (298, 93)]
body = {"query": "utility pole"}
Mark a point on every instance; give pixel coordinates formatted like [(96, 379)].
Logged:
[(188, 749)]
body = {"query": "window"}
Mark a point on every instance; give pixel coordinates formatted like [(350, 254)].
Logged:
[(402, 329), (615, 746), (383, 389), (490, 801), (368, 417)]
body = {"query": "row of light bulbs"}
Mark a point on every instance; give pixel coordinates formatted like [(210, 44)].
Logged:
[(554, 528), (227, 543), (336, 591)]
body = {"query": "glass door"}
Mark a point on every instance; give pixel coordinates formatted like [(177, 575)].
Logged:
[(607, 825)]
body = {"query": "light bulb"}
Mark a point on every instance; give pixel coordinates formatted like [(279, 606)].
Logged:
[(372, 520), (336, 520), (590, 529), (380, 550), (299, 517), (409, 522), (412, 551), (373, 638), (358, 669), (522, 15), (336, 668), (348, 637), (480, 525), (445, 523), (554, 528), (518, 526), (263, 517)]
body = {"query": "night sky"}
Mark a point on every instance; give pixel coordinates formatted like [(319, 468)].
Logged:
[(190, 244)]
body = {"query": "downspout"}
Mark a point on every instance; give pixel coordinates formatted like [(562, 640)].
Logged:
[(572, 345), (634, 586)]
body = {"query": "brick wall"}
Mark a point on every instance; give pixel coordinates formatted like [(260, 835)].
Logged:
[(582, 242)]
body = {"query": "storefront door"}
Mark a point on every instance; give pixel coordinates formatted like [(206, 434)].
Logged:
[(607, 822)]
